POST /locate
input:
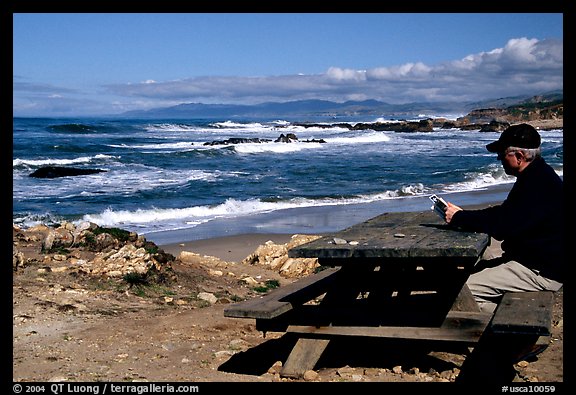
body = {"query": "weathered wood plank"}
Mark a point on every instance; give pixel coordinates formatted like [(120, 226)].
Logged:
[(465, 327), (303, 357), (521, 320), (258, 308), (284, 298), (397, 235), (493, 357), (465, 301), (524, 313)]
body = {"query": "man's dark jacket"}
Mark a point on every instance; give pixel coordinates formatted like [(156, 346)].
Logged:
[(530, 222)]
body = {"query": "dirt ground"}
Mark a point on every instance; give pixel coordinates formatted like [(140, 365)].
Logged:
[(73, 327)]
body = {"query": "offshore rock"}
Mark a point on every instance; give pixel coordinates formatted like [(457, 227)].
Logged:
[(59, 171)]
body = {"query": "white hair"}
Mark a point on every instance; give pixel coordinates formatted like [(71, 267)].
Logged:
[(529, 153)]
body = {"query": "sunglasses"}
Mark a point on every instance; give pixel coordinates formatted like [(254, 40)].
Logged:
[(502, 155)]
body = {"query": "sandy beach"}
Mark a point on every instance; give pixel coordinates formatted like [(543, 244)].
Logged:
[(229, 248)]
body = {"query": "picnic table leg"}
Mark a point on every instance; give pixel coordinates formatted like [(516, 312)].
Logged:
[(303, 357), (465, 301), (494, 356)]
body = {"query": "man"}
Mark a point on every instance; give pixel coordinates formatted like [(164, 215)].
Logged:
[(527, 250)]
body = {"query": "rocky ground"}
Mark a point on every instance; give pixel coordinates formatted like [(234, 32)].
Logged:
[(74, 322)]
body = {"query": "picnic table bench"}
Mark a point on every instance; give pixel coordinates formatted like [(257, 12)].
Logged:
[(402, 276)]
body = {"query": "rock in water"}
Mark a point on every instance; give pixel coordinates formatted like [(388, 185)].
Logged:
[(58, 171)]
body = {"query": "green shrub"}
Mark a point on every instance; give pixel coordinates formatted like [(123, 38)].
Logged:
[(120, 234), (271, 284), (56, 250), (151, 249), (268, 285), (135, 279)]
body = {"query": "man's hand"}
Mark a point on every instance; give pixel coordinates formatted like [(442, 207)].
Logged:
[(450, 211)]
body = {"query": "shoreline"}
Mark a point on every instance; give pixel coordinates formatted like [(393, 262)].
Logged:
[(227, 248), (233, 239)]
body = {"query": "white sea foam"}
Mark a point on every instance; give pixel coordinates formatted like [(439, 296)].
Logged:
[(236, 125), (179, 145), (367, 137), (59, 162), (121, 181), (170, 127), (177, 218), (279, 148)]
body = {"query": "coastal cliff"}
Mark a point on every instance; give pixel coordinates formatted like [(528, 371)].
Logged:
[(539, 112), (535, 110)]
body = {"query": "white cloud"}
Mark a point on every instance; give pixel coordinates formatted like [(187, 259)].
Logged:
[(402, 72), (521, 66), (337, 74)]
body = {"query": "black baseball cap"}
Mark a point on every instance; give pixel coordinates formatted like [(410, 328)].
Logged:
[(521, 136)]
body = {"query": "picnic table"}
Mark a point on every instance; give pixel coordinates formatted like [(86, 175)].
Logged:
[(400, 276)]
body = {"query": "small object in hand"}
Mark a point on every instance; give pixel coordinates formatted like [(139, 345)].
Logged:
[(399, 235), (440, 206)]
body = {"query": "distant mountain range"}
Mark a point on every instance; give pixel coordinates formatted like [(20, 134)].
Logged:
[(322, 109)]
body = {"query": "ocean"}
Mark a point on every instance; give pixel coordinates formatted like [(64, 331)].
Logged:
[(164, 177)]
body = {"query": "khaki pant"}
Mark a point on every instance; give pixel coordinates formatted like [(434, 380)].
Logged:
[(494, 275)]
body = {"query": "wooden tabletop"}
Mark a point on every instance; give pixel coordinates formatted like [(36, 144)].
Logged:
[(403, 235)]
